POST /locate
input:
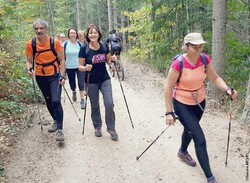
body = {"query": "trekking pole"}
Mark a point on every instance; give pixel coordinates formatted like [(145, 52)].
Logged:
[(123, 95), (34, 88), (71, 102), (87, 90), (138, 157), (229, 125)]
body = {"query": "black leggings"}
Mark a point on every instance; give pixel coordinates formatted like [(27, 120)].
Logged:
[(189, 116), (51, 90), (72, 79)]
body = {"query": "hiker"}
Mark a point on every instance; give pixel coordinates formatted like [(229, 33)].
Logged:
[(71, 50), (63, 38), (92, 59), (44, 55), (188, 98), (82, 37), (116, 43)]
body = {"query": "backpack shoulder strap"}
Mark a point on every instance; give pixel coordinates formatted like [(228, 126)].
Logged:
[(204, 61), (179, 59), (104, 46), (80, 45), (52, 46), (65, 45), (87, 48), (33, 43)]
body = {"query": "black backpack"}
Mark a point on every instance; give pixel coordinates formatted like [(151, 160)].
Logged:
[(36, 53), (179, 58), (115, 38)]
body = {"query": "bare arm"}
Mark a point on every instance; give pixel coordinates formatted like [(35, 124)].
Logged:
[(81, 63), (29, 65), (62, 63), (171, 81)]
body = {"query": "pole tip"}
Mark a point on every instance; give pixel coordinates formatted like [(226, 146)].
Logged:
[(137, 158)]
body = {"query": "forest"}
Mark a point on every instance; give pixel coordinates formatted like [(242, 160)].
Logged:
[(152, 32)]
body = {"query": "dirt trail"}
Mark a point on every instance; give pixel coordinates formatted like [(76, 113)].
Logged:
[(36, 158)]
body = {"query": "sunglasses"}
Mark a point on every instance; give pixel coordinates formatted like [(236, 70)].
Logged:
[(195, 45)]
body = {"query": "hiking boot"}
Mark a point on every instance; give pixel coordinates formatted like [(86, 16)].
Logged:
[(59, 135), (74, 96), (82, 104), (113, 134), (185, 157), (53, 127), (98, 132)]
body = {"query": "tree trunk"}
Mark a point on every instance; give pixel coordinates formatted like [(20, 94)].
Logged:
[(86, 13), (50, 14), (99, 18), (187, 15), (78, 20), (124, 41), (218, 42), (110, 15), (115, 15)]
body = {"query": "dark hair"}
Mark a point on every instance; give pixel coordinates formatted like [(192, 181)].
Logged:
[(74, 30), (112, 31), (90, 28)]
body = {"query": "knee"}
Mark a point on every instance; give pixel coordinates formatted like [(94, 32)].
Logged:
[(200, 141), (56, 102), (109, 106)]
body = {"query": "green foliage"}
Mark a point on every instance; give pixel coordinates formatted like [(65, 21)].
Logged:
[(11, 108), (237, 68)]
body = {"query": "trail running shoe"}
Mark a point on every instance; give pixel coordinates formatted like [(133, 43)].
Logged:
[(53, 127), (211, 180), (59, 135), (113, 134), (74, 96), (186, 158), (98, 132), (82, 104)]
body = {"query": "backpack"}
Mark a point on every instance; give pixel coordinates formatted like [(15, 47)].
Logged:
[(179, 58), (52, 48), (115, 38), (65, 45)]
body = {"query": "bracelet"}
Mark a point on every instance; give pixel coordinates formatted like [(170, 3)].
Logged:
[(229, 88), (170, 113)]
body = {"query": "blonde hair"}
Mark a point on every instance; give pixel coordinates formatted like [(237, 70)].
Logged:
[(81, 33)]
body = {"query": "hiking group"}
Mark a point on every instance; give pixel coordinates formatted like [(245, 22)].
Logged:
[(87, 59)]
